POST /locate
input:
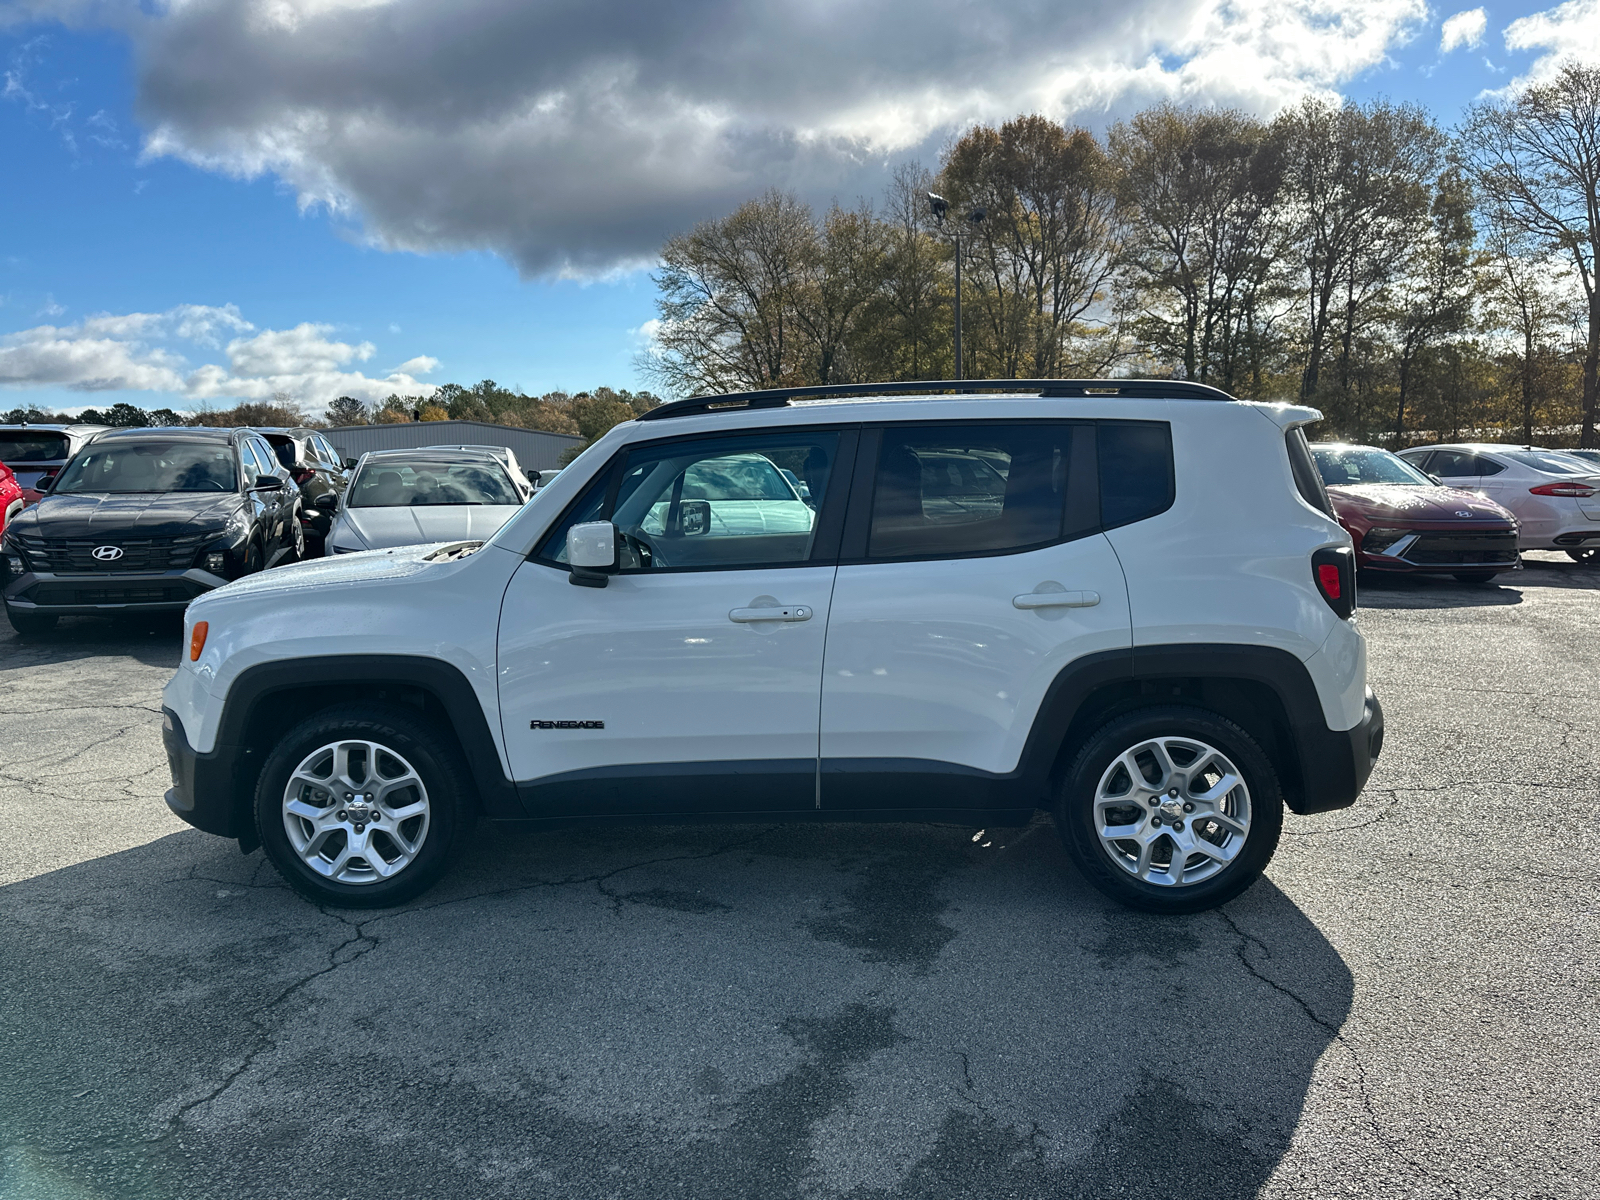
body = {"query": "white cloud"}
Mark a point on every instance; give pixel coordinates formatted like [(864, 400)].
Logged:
[(1463, 29), (131, 352), (1570, 30), (572, 138)]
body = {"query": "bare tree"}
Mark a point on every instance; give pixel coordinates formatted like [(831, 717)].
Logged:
[(1357, 189), (1536, 156)]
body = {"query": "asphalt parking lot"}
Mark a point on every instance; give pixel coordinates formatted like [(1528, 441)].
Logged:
[(1404, 1007)]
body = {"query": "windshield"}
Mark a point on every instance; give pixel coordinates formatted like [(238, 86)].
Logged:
[(27, 445), (153, 466), (392, 484), (1364, 464), (1550, 462)]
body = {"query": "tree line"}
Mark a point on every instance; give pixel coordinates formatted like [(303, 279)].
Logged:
[(1407, 280)]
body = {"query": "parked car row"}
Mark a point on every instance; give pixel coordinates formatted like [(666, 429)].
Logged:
[(1462, 510), (145, 520)]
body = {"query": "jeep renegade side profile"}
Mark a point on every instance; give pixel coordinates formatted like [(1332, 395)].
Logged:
[(1127, 602)]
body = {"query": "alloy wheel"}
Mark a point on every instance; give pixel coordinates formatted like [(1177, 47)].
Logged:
[(1172, 811), (356, 812)]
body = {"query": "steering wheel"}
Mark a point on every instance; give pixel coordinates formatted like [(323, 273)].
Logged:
[(649, 555)]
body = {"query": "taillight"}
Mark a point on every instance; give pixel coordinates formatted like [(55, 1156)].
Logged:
[(1334, 570), (1581, 490)]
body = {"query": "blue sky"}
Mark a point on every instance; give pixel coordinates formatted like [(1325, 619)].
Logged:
[(136, 182)]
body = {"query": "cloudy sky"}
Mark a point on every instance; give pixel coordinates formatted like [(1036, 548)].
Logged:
[(210, 199)]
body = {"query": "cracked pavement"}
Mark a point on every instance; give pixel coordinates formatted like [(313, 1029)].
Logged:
[(1403, 1007)]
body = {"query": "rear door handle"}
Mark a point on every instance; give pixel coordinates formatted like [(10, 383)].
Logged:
[(788, 612), (1056, 600)]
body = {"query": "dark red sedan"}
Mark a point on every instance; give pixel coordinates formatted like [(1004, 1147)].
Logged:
[(1405, 521)]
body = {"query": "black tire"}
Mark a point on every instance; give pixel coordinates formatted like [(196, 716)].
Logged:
[(1076, 799), (406, 739), (253, 558), (31, 624), (1475, 576), (1588, 554)]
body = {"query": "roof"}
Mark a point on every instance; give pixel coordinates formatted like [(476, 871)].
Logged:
[(76, 427), (963, 389), (437, 453), (182, 433)]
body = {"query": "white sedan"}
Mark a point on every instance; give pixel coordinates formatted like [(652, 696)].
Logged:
[(414, 497), (1555, 496)]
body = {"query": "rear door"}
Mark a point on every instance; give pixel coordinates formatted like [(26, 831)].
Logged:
[(972, 570), (690, 683)]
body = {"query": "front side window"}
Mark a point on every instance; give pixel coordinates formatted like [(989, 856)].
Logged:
[(151, 466), (969, 489), (724, 502), (396, 483)]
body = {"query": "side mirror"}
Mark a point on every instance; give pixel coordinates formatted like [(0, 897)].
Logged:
[(42, 484), (267, 483), (1437, 480), (327, 502), (349, 464), (592, 553), (694, 517)]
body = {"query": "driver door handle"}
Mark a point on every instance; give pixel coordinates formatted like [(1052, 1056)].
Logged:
[(1056, 600), (789, 612)]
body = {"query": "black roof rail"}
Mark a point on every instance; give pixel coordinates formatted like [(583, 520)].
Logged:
[(1156, 389)]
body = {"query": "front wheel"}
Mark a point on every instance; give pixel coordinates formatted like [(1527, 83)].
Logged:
[(1587, 554), (1171, 810), (358, 806)]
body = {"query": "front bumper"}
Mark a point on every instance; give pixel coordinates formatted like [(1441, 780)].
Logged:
[(1336, 764), (203, 790), (108, 592), (1444, 551)]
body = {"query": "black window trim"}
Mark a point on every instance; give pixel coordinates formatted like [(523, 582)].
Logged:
[(830, 513), (1083, 487)]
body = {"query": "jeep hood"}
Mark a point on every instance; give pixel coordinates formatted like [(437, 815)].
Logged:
[(372, 566)]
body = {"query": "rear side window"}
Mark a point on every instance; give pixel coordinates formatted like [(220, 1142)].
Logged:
[(1455, 464), (969, 489), (1136, 479)]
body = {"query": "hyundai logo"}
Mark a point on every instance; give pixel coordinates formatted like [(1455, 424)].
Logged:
[(1459, 513), (106, 553)]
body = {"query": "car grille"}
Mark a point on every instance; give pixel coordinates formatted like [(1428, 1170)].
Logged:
[(51, 594), (76, 556), (1466, 549)]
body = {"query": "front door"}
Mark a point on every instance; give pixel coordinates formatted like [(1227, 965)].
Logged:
[(979, 574), (690, 683)]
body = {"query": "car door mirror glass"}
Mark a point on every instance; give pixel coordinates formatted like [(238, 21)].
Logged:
[(696, 517)]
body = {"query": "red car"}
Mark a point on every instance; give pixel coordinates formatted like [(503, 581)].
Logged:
[(1402, 520), (11, 501)]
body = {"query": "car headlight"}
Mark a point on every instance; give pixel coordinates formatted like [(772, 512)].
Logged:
[(1379, 540), (216, 562)]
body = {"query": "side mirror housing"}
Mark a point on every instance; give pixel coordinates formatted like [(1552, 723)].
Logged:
[(349, 464), (268, 483), (327, 502), (592, 553)]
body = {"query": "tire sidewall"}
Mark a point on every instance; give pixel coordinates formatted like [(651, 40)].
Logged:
[(1075, 808), (442, 773)]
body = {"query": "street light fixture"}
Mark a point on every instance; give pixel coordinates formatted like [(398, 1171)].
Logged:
[(941, 208)]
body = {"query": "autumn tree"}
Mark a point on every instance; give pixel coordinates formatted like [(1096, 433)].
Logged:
[(1536, 156)]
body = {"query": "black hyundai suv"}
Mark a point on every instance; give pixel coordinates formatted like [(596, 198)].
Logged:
[(144, 520)]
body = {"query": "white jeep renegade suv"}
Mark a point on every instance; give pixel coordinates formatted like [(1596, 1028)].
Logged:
[(1127, 602)]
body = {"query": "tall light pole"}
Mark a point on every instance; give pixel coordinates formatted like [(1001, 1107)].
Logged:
[(941, 207)]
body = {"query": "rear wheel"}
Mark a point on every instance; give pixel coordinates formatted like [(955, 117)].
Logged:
[(1171, 810), (1476, 576), (1587, 554), (31, 624), (359, 806)]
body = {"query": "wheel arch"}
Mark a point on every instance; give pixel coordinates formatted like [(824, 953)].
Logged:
[(269, 699), (1265, 691)]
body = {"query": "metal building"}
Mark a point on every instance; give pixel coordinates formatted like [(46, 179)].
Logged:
[(535, 449)]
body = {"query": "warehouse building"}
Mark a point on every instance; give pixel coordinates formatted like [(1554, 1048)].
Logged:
[(535, 449)]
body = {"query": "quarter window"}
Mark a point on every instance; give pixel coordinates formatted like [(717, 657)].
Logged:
[(969, 489), (1136, 471)]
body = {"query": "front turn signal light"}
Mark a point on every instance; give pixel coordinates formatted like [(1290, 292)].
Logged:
[(197, 639)]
